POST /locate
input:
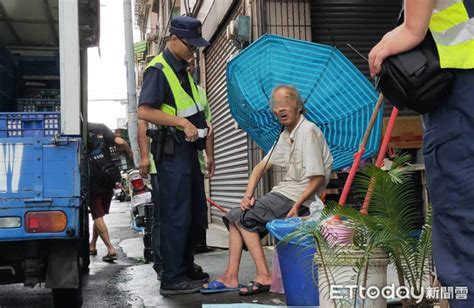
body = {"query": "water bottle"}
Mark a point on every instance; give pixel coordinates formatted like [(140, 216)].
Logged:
[(315, 209)]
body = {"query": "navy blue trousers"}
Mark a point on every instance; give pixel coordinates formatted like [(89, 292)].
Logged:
[(449, 161), (181, 196)]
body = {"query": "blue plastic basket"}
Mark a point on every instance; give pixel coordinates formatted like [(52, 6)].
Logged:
[(31, 124)]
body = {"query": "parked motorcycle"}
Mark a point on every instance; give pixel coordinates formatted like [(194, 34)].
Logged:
[(120, 193), (142, 211), (121, 189)]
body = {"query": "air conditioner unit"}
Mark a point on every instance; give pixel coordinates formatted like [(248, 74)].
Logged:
[(238, 31), (151, 37)]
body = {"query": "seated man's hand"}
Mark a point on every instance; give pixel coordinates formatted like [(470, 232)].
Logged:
[(247, 202), (293, 212)]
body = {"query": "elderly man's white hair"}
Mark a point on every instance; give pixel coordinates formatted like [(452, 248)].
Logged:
[(292, 93)]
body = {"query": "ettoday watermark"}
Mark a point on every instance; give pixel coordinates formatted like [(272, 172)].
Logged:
[(399, 292)]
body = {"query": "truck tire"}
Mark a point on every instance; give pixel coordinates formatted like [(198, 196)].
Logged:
[(67, 298), (63, 273), (84, 250)]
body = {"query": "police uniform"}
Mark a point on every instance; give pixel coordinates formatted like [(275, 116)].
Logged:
[(169, 87), (449, 152), (201, 237)]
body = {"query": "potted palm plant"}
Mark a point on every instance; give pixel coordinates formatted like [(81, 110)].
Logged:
[(384, 235)]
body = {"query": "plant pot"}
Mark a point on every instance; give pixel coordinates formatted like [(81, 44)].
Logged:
[(344, 276)]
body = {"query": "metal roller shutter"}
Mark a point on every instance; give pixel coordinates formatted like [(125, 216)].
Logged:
[(289, 18), (361, 23), (231, 151)]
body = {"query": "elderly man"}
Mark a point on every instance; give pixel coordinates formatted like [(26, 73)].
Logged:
[(303, 151)]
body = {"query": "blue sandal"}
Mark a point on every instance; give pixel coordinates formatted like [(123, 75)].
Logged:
[(217, 287)]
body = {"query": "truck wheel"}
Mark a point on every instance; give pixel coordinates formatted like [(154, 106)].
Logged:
[(84, 250), (67, 298)]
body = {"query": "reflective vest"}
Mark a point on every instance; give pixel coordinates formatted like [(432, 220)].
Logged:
[(452, 26), (186, 107)]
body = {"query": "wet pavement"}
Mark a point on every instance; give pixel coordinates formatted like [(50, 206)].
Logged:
[(142, 287), (129, 282)]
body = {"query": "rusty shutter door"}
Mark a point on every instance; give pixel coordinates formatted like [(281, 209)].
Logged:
[(231, 150)]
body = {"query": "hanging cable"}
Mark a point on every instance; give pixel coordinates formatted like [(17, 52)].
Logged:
[(167, 25), (187, 8), (244, 213)]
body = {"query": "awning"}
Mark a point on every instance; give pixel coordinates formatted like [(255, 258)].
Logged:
[(139, 47), (139, 50)]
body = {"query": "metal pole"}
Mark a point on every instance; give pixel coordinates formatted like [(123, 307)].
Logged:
[(360, 152), (131, 84), (383, 148)]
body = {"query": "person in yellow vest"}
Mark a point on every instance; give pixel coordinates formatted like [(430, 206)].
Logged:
[(170, 98), (449, 133), (147, 167)]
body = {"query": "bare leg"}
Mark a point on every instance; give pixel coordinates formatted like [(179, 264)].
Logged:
[(101, 228), (252, 240), (231, 275), (93, 242)]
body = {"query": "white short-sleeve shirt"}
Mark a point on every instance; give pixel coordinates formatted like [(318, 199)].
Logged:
[(303, 153)]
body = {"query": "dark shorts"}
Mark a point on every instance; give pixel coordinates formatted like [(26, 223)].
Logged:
[(99, 203), (266, 208)]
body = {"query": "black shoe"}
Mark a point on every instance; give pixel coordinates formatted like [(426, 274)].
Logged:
[(203, 249), (202, 277), (186, 286), (197, 268), (159, 271)]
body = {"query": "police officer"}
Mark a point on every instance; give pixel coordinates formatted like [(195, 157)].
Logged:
[(449, 130), (170, 99)]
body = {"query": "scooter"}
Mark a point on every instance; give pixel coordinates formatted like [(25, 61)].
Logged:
[(142, 211), (119, 192), (121, 189)]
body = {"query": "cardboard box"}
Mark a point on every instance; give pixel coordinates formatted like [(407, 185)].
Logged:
[(407, 132)]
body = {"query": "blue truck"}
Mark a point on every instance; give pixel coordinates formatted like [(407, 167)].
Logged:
[(43, 123)]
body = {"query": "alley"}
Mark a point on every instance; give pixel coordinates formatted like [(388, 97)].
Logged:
[(130, 282)]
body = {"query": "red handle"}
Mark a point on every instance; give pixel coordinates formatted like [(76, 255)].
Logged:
[(220, 208)]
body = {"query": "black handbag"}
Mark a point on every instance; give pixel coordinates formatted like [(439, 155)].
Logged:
[(414, 79), (103, 172)]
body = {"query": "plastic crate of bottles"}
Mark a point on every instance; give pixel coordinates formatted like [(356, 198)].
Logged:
[(42, 93), (37, 124), (38, 105), (40, 100)]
